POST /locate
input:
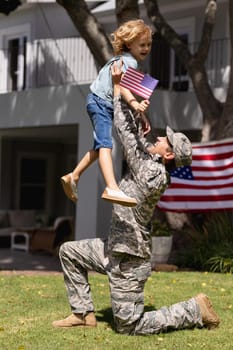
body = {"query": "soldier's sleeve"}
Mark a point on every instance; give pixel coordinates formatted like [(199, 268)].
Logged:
[(132, 141)]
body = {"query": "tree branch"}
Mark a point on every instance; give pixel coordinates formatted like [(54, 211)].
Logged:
[(230, 87), (225, 128), (7, 6), (89, 28), (206, 37), (126, 10), (167, 31), (211, 107)]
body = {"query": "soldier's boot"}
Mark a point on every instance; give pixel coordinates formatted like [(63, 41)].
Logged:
[(209, 317), (75, 320)]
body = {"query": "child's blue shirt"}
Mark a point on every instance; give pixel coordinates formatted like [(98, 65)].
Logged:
[(102, 85)]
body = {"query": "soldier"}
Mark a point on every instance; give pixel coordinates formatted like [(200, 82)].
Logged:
[(125, 256)]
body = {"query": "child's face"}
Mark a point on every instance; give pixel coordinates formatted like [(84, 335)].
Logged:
[(140, 47)]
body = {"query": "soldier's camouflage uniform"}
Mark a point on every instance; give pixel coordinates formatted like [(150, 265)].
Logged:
[(125, 256)]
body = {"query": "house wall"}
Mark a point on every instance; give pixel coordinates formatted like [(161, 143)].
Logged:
[(61, 106), (65, 105), (45, 106), (40, 17), (12, 149), (44, 14), (187, 114), (173, 10)]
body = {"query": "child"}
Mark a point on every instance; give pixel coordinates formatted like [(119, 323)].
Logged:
[(132, 44)]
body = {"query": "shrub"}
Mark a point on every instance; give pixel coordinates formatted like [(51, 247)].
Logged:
[(220, 264), (211, 245), (160, 228)]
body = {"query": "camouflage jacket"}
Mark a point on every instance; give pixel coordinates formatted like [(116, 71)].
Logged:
[(146, 180)]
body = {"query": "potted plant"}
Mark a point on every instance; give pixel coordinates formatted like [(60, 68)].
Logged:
[(161, 235)]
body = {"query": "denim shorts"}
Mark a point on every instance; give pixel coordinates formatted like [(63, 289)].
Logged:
[(101, 116)]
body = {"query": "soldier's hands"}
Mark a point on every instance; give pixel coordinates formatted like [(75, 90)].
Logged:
[(116, 71), (145, 124)]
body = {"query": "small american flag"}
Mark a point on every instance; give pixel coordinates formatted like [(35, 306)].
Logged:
[(205, 186), (139, 83)]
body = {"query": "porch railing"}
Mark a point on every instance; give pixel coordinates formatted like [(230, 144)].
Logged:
[(68, 61)]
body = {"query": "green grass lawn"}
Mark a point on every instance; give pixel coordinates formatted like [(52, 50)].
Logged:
[(30, 303)]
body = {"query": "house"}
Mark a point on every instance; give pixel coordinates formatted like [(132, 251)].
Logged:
[(45, 72)]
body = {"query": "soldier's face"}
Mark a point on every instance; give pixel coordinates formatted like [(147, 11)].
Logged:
[(161, 145), (163, 148)]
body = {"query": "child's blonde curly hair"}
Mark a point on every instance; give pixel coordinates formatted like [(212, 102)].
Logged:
[(127, 33)]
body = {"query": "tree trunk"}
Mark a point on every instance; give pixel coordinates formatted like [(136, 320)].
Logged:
[(126, 10), (225, 127), (194, 63), (217, 115), (210, 106), (90, 29)]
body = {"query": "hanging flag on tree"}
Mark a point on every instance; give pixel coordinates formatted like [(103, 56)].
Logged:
[(139, 83), (205, 186)]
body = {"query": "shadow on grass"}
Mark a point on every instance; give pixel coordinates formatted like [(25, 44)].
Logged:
[(105, 315)]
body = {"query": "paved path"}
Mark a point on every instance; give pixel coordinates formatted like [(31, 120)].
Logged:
[(16, 261)]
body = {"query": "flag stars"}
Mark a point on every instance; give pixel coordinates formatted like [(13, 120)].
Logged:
[(184, 172)]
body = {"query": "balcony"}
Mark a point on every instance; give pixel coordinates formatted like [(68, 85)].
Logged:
[(165, 65), (43, 63)]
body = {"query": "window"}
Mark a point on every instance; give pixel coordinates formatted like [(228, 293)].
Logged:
[(34, 176), (15, 58), (180, 78), (165, 65), (16, 52), (33, 180), (160, 61)]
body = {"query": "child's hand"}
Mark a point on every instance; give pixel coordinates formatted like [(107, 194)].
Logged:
[(116, 71), (141, 106)]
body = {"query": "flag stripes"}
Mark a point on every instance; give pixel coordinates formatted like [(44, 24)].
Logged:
[(212, 185), (139, 83)]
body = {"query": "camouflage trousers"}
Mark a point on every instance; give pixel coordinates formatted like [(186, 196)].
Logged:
[(127, 277)]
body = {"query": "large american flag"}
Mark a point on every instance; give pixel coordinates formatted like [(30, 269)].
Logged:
[(139, 83), (205, 186)]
